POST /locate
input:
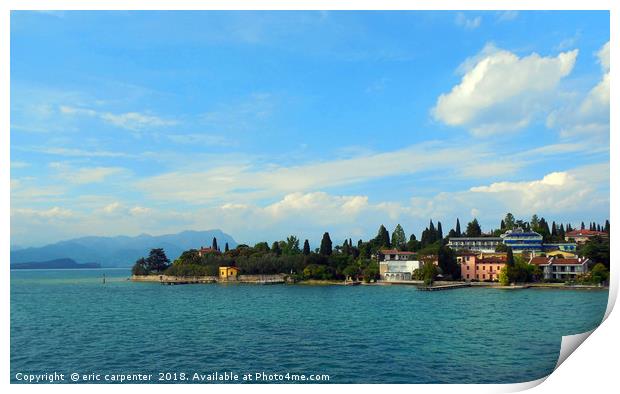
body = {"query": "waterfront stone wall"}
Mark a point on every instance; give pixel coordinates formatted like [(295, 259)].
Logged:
[(164, 278)]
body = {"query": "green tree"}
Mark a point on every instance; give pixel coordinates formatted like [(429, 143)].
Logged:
[(140, 267), (504, 280), (383, 238), (596, 249), (473, 229), (226, 249), (510, 259), (351, 271), (275, 248), (447, 262), (534, 222), (306, 250), (371, 272), (458, 228), (429, 272), (326, 245), (439, 231), (509, 221), (214, 244), (398, 237), (291, 246), (599, 273), (157, 260), (262, 247)]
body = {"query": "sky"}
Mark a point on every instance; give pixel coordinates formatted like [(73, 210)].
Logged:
[(266, 124)]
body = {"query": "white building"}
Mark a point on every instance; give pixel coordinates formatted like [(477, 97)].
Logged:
[(479, 244), (564, 269), (397, 265)]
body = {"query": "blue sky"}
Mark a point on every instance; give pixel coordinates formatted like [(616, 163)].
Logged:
[(266, 124)]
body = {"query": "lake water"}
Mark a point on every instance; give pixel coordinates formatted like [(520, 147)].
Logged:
[(69, 321)]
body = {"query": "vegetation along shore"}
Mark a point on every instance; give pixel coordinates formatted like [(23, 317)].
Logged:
[(519, 254)]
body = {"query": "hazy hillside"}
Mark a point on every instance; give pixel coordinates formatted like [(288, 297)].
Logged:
[(55, 264), (120, 251)]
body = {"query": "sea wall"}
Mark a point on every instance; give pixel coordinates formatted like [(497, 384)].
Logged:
[(167, 278), (278, 278)]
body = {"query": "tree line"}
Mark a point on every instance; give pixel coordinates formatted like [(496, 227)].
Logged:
[(350, 260)]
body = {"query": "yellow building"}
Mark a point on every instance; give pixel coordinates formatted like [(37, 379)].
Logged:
[(557, 253), (228, 273)]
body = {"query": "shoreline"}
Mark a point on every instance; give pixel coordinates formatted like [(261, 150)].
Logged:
[(285, 279)]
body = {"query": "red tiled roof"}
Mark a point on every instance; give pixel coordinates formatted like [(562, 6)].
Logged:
[(492, 260), (584, 233), (569, 261), (394, 251), (540, 260)]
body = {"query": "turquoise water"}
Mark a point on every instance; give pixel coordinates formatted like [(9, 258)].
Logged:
[(68, 321)]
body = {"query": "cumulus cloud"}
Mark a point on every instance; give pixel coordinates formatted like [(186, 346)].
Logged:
[(589, 116), (501, 91)]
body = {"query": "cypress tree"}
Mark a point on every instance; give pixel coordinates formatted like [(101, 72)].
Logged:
[(226, 247), (458, 228), (398, 237), (510, 259), (306, 247), (214, 244), (326, 245), (607, 226), (275, 248), (439, 231), (383, 237)]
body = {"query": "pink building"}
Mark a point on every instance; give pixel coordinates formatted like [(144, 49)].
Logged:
[(477, 267)]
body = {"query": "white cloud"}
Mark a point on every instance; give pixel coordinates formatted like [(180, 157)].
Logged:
[(501, 91), (83, 175), (588, 117), (71, 152), (137, 211), (19, 164), (603, 57), (242, 183), (200, 139), (130, 120), (51, 213), (468, 23), (505, 16), (111, 208)]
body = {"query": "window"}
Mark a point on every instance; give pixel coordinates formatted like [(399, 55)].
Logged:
[(484, 276), (467, 276)]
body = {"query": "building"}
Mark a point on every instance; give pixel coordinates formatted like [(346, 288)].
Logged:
[(204, 251), (397, 265), (561, 268), (520, 240), (582, 236), (560, 249), (394, 255), (479, 244), (479, 267), (228, 273)]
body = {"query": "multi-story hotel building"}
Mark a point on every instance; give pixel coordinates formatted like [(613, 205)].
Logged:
[(479, 244), (520, 240)]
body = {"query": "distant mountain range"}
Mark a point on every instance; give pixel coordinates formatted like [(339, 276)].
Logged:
[(120, 251), (56, 264)]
